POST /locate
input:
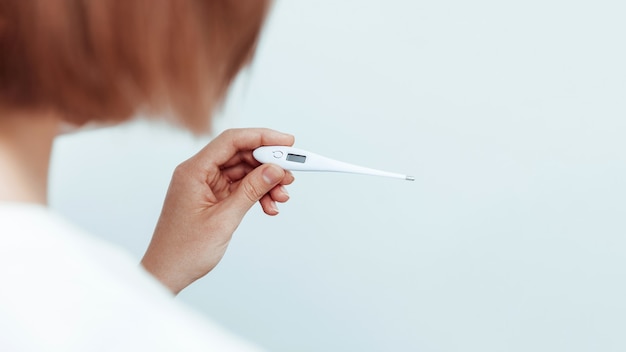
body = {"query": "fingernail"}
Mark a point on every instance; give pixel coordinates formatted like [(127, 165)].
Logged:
[(284, 190), (274, 207), (272, 174)]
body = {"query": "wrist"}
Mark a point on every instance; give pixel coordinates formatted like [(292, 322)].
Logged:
[(167, 275)]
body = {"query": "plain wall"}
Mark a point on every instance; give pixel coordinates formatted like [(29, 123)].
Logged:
[(511, 116)]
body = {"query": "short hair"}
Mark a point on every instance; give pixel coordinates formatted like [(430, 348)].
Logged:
[(107, 60)]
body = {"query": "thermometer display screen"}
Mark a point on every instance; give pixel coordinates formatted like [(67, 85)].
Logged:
[(296, 158)]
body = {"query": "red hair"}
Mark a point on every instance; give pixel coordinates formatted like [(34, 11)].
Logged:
[(107, 60)]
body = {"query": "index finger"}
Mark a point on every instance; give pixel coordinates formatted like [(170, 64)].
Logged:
[(232, 141)]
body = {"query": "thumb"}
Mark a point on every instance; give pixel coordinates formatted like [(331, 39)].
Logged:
[(255, 185)]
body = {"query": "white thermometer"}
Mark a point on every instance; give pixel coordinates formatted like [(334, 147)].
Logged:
[(301, 160)]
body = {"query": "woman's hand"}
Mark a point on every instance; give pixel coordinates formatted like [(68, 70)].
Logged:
[(208, 196)]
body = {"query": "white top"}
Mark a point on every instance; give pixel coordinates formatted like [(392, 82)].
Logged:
[(64, 290)]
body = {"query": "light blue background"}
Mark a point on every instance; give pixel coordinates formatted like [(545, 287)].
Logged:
[(511, 115)]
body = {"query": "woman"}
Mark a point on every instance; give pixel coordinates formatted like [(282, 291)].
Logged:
[(67, 63)]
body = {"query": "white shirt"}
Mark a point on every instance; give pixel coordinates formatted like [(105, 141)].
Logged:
[(64, 290)]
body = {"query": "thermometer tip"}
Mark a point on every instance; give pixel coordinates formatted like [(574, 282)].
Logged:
[(410, 178)]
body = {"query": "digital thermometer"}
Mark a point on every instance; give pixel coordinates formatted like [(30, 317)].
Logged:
[(301, 160)]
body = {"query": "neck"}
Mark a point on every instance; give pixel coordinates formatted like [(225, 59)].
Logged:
[(25, 146)]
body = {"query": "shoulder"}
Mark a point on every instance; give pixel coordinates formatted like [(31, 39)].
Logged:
[(68, 290)]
